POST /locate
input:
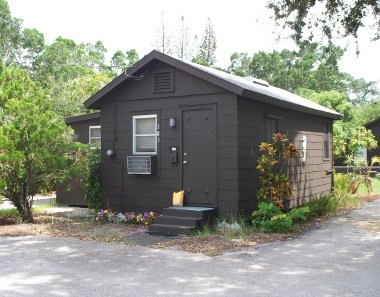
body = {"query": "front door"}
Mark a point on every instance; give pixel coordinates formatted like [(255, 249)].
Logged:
[(199, 160)]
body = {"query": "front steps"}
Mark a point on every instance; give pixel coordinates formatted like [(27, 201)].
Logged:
[(181, 220)]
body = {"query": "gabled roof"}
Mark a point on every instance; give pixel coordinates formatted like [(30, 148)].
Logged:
[(255, 89)]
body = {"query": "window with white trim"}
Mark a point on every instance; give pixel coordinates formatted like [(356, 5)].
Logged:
[(145, 134), (94, 135)]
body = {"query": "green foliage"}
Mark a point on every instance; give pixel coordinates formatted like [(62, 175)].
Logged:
[(330, 18), (35, 144), (368, 112), (269, 218), (10, 34), (265, 211), (93, 183), (240, 64), (121, 61), (330, 99), (348, 135), (312, 67), (275, 184), (341, 191), (299, 214), (207, 48), (69, 96), (322, 205)]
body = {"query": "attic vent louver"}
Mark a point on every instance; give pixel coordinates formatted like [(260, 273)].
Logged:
[(163, 82)]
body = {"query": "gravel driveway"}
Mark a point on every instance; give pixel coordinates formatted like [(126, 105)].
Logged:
[(340, 258)]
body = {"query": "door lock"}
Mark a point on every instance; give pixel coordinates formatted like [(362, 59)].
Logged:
[(184, 162)]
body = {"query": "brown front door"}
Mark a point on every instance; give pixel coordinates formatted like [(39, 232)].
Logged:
[(199, 160)]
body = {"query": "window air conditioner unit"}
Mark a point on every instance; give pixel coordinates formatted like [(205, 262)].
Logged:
[(141, 164)]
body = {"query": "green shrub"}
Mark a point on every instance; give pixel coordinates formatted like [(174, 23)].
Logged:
[(93, 183), (269, 218), (299, 214), (341, 191), (322, 205), (265, 211), (280, 223), (274, 182)]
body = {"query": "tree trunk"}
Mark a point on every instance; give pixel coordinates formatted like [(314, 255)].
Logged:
[(25, 211)]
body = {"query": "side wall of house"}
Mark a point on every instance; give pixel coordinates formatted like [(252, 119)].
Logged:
[(81, 129), (309, 178), (75, 195), (125, 192), (375, 128)]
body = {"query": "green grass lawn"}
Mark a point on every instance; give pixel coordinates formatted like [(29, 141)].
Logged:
[(37, 209), (375, 185)]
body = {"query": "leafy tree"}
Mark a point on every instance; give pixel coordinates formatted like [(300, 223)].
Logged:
[(118, 61), (95, 55), (312, 67), (35, 144), (349, 136), (69, 96), (240, 63), (331, 99), (132, 57), (15, 83), (368, 112), (10, 34), (33, 44), (207, 48), (62, 60), (330, 17)]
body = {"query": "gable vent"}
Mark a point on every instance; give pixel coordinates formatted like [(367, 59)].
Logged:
[(163, 82)]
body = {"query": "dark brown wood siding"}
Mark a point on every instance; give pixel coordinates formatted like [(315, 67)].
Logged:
[(76, 193), (81, 129), (122, 191), (375, 128), (308, 178)]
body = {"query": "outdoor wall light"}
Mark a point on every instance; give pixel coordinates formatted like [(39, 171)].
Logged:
[(111, 153), (172, 122)]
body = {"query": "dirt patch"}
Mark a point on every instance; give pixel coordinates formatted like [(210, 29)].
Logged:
[(213, 245), (86, 228), (58, 226)]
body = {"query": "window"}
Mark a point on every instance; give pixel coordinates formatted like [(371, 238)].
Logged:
[(326, 142), (94, 136), (145, 135), (271, 126)]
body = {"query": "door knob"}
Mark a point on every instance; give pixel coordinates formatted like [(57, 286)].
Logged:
[(184, 162)]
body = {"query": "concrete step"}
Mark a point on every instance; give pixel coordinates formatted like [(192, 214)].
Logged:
[(163, 229), (192, 212), (179, 221)]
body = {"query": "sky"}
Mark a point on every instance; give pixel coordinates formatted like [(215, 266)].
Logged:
[(240, 25)]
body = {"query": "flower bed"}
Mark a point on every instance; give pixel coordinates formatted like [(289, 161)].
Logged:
[(145, 218)]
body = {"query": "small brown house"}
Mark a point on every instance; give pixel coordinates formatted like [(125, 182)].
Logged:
[(374, 126), (168, 125), (86, 130)]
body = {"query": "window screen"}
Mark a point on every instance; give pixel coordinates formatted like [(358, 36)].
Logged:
[(145, 134), (94, 135)]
